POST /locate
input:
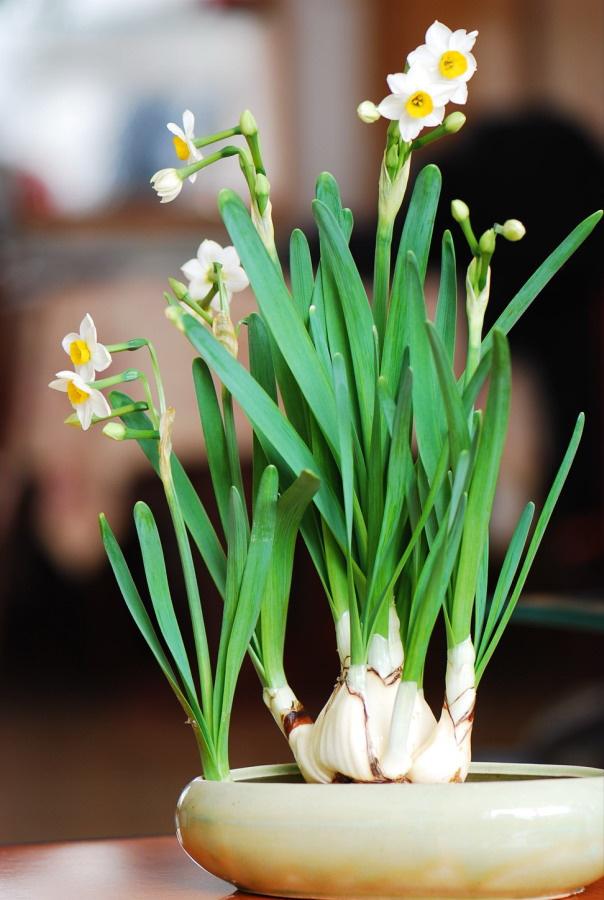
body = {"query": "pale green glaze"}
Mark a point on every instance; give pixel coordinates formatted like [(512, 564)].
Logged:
[(519, 832)]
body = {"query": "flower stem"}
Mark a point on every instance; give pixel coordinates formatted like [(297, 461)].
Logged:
[(219, 136), (381, 275)]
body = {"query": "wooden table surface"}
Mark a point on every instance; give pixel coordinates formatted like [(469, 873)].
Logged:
[(131, 869)]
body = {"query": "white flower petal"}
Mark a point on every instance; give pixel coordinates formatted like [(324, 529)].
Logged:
[(101, 358), (434, 118), (192, 178), (88, 330), (194, 270), (68, 340), (398, 83), (462, 41), (438, 36), (99, 405), (392, 106), (460, 94), (86, 371), (410, 127), (177, 130), (230, 258), (188, 122), (198, 289), (423, 57), (84, 414), (236, 280), (209, 252), (59, 384)]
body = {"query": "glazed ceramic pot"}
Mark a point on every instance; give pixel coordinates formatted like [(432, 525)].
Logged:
[(510, 831)]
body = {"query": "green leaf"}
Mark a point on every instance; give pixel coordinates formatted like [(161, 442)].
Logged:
[(267, 418), (143, 622), (427, 402), (291, 507), (459, 439), (345, 440), (481, 593), (542, 523), (300, 266), (251, 592), (236, 558), (159, 591), (328, 192), (506, 577), (416, 237), (214, 437), (482, 487), (355, 308), (279, 314), (546, 271), (197, 520), (446, 307)]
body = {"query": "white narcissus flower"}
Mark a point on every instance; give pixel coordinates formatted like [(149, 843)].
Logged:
[(200, 271), (85, 352), (416, 101), (446, 57), (167, 183), (86, 401), (183, 141)]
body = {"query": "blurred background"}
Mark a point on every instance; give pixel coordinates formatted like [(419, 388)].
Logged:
[(91, 741)]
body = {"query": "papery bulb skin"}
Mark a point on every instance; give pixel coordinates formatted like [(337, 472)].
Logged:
[(412, 724), (297, 726), (446, 755)]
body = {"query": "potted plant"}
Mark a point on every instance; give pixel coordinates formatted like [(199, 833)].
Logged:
[(368, 443)]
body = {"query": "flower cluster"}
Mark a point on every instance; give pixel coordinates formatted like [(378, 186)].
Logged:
[(437, 73), (88, 357)]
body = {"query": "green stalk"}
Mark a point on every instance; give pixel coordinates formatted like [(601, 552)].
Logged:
[(186, 558), (381, 275)]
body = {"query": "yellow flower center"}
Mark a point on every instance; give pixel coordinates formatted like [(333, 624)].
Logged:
[(76, 396), (452, 64), (181, 148), (419, 105), (79, 352)]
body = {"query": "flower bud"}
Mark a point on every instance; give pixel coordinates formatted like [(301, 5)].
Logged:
[(174, 315), (513, 230), (368, 112), (167, 183), (248, 124), (262, 191), (454, 122), (392, 157), (115, 430), (486, 244), (178, 288), (460, 210)]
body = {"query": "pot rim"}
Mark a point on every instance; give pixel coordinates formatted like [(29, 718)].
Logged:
[(539, 771)]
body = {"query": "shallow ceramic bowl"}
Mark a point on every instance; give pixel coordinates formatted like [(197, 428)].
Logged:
[(511, 831)]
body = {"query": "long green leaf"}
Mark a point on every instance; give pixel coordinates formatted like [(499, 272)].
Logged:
[(446, 307), (143, 622), (356, 310), (427, 402), (251, 592), (267, 418), (159, 591), (542, 523), (546, 271), (198, 522), (482, 487), (300, 267), (291, 507), (416, 237), (459, 439), (279, 314), (506, 577), (214, 437)]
